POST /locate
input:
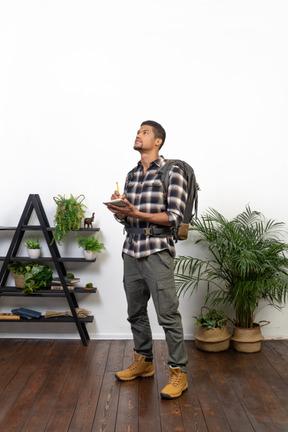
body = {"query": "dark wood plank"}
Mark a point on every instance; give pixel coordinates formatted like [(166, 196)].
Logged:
[(212, 409), (12, 358), (192, 414), (19, 393), (83, 417), (107, 407), (37, 400), (106, 411), (276, 353), (170, 413), (221, 378), (127, 416), (271, 375), (61, 386), (247, 385), (149, 400), (67, 400)]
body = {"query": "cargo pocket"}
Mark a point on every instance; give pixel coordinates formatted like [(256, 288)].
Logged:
[(167, 298)]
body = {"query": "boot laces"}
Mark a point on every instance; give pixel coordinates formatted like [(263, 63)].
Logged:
[(174, 379), (135, 364)]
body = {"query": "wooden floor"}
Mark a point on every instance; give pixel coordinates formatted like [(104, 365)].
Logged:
[(56, 385)]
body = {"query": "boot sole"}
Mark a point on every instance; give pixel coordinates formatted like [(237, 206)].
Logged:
[(167, 396), (150, 375)]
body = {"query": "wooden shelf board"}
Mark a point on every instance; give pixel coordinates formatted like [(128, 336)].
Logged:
[(39, 228), (47, 259), (42, 319), (11, 291)]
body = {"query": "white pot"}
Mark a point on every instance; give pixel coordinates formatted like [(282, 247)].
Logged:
[(34, 253), (89, 255)]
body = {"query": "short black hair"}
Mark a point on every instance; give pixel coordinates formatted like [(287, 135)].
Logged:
[(158, 130)]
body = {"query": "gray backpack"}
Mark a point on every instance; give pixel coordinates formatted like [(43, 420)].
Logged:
[(191, 208)]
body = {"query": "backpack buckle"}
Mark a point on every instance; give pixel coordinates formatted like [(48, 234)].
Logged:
[(147, 231)]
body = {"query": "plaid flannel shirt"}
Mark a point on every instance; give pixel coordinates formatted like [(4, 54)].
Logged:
[(146, 193)]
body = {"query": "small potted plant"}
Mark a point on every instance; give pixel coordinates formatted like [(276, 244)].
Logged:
[(18, 270), (212, 334), (30, 277), (91, 246), (68, 217), (36, 277), (33, 247)]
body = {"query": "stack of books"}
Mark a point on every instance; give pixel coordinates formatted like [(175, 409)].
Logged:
[(70, 283), (26, 313)]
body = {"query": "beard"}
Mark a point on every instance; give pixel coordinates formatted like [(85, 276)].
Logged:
[(138, 145)]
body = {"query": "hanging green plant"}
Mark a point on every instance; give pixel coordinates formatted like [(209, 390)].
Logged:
[(69, 214)]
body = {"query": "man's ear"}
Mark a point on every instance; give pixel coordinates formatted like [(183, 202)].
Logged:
[(158, 142)]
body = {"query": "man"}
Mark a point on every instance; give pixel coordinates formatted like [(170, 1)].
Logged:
[(148, 254)]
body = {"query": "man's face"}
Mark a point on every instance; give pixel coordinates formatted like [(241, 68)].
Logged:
[(145, 139)]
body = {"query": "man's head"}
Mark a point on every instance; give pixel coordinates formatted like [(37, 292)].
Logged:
[(159, 131)]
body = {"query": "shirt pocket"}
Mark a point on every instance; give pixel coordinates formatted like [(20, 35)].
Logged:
[(153, 194)]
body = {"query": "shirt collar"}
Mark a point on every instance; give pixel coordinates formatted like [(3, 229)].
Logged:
[(157, 161)]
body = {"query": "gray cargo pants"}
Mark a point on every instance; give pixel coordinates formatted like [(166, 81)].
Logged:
[(154, 276)]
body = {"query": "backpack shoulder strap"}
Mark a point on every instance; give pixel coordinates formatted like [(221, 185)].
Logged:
[(164, 169)]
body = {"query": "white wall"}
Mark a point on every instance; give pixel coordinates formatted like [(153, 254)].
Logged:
[(78, 77)]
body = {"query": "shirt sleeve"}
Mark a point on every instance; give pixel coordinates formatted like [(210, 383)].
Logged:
[(176, 196)]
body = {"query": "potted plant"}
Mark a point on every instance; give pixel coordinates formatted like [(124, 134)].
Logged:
[(69, 213), (212, 334), (33, 247), (91, 246), (18, 270), (247, 265), (37, 276), (34, 276)]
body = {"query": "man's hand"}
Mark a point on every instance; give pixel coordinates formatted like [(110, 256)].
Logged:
[(155, 218), (130, 210), (115, 209)]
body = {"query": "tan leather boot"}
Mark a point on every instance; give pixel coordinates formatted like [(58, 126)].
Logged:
[(139, 368), (176, 385)]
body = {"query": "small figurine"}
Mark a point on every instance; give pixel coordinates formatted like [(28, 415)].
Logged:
[(88, 221)]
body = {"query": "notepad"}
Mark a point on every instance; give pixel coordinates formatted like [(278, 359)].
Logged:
[(116, 202)]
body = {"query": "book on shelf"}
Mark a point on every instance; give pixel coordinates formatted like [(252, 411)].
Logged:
[(67, 280), (9, 316), (26, 313), (60, 288)]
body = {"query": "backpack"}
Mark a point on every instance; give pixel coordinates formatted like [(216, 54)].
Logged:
[(191, 208), (192, 189)]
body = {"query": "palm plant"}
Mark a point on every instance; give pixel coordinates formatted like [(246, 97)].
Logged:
[(248, 263)]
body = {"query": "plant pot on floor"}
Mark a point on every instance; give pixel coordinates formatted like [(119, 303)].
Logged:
[(212, 340), (248, 340)]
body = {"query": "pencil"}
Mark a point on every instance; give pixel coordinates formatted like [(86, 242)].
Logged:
[(117, 188)]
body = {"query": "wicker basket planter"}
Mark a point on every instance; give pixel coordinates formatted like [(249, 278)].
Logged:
[(19, 281), (212, 340), (248, 340)]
